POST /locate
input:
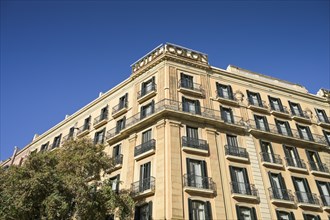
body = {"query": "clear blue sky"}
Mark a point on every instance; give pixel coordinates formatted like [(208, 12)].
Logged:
[(56, 56)]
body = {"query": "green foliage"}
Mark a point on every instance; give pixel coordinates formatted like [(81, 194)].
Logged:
[(65, 183)]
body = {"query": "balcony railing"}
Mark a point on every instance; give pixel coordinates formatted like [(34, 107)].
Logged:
[(117, 160), (282, 109), (100, 118), (270, 158), (148, 89), (142, 186), (325, 200), (233, 120), (190, 85), (291, 162), (83, 128), (261, 104), (320, 167), (243, 188), (230, 96), (119, 107), (200, 182), (144, 147), (236, 151), (195, 143), (302, 114), (281, 194), (309, 198)]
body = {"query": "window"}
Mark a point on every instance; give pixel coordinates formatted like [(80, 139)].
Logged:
[(120, 125), (311, 217), (292, 157), (227, 115), (192, 133), (143, 212), (197, 174), (267, 152), (145, 170), (277, 183), (99, 137), (321, 115), (123, 101), (57, 141), (240, 181), (304, 132), (114, 181), (224, 91), (192, 106), (87, 123), (148, 86), (327, 136), (147, 110), (71, 133), (283, 127), (44, 147), (296, 109), (281, 215), (315, 161), (261, 122), (146, 136), (324, 189), (199, 210), (104, 113), (275, 104), (246, 213), (254, 98), (116, 151), (187, 81), (232, 140), (303, 191)]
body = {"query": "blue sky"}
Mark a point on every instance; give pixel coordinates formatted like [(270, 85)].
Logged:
[(56, 56)]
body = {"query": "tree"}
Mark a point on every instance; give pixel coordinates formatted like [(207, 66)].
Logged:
[(65, 183)]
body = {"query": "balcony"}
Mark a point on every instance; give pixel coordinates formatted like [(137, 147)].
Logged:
[(100, 120), (194, 145), (326, 202), (295, 165), (281, 196), (118, 160), (320, 169), (227, 99), (119, 109), (308, 200), (83, 130), (236, 153), (147, 92), (244, 191), (188, 87), (280, 112), (258, 106), (143, 188), (233, 121), (300, 116), (271, 160), (198, 184), (325, 122), (145, 149)]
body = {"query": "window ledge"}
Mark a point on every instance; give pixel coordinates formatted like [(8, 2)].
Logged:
[(237, 158), (273, 165), (83, 133), (257, 108), (297, 169), (299, 118), (119, 112), (195, 150), (308, 205), (227, 101), (147, 96), (320, 173), (324, 124), (245, 197), (145, 193), (189, 189), (280, 114), (283, 202), (145, 154), (191, 91), (326, 208), (100, 123)]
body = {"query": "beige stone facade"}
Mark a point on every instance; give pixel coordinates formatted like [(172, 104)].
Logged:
[(194, 141)]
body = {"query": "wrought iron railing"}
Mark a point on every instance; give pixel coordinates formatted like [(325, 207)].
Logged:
[(233, 120), (195, 143), (119, 107), (85, 127), (321, 167), (101, 117), (271, 158), (230, 96), (282, 194), (309, 198), (190, 85), (146, 90), (200, 182), (142, 186), (117, 159), (243, 188), (292, 162), (144, 147), (282, 109), (236, 151)]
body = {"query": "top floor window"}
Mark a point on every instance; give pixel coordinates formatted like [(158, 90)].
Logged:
[(44, 147), (123, 101), (57, 141), (296, 109), (322, 116), (104, 113), (87, 123), (276, 104), (254, 98), (224, 91)]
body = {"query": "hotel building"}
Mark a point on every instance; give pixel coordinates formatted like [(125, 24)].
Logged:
[(193, 141)]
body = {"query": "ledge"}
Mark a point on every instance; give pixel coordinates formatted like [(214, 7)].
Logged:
[(145, 193), (308, 205), (280, 114), (282, 202), (83, 133), (245, 197), (237, 158), (145, 154), (191, 91), (272, 165), (195, 150), (119, 112), (100, 123), (257, 108), (196, 190), (301, 119), (320, 173), (227, 101), (297, 169), (147, 96)]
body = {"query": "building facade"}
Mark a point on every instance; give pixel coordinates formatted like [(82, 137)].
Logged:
[(193, 141)]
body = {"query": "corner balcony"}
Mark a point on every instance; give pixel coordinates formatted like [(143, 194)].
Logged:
[(236, 153), (226, 99), (296, 165), (281, 196), (325, 122), (145, 149), (100, 120), (244, 191), (83, 130), (280, 112), (190, 88), (198, 184), (300, 116), (119, 109), (319, 169), (143, 188), (193, 145), (258, 106), (326, 202), (147, 93), (308, 200), (271, 160)]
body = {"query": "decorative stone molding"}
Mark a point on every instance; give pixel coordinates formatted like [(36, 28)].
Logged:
[(309, 112), (239, 95)]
